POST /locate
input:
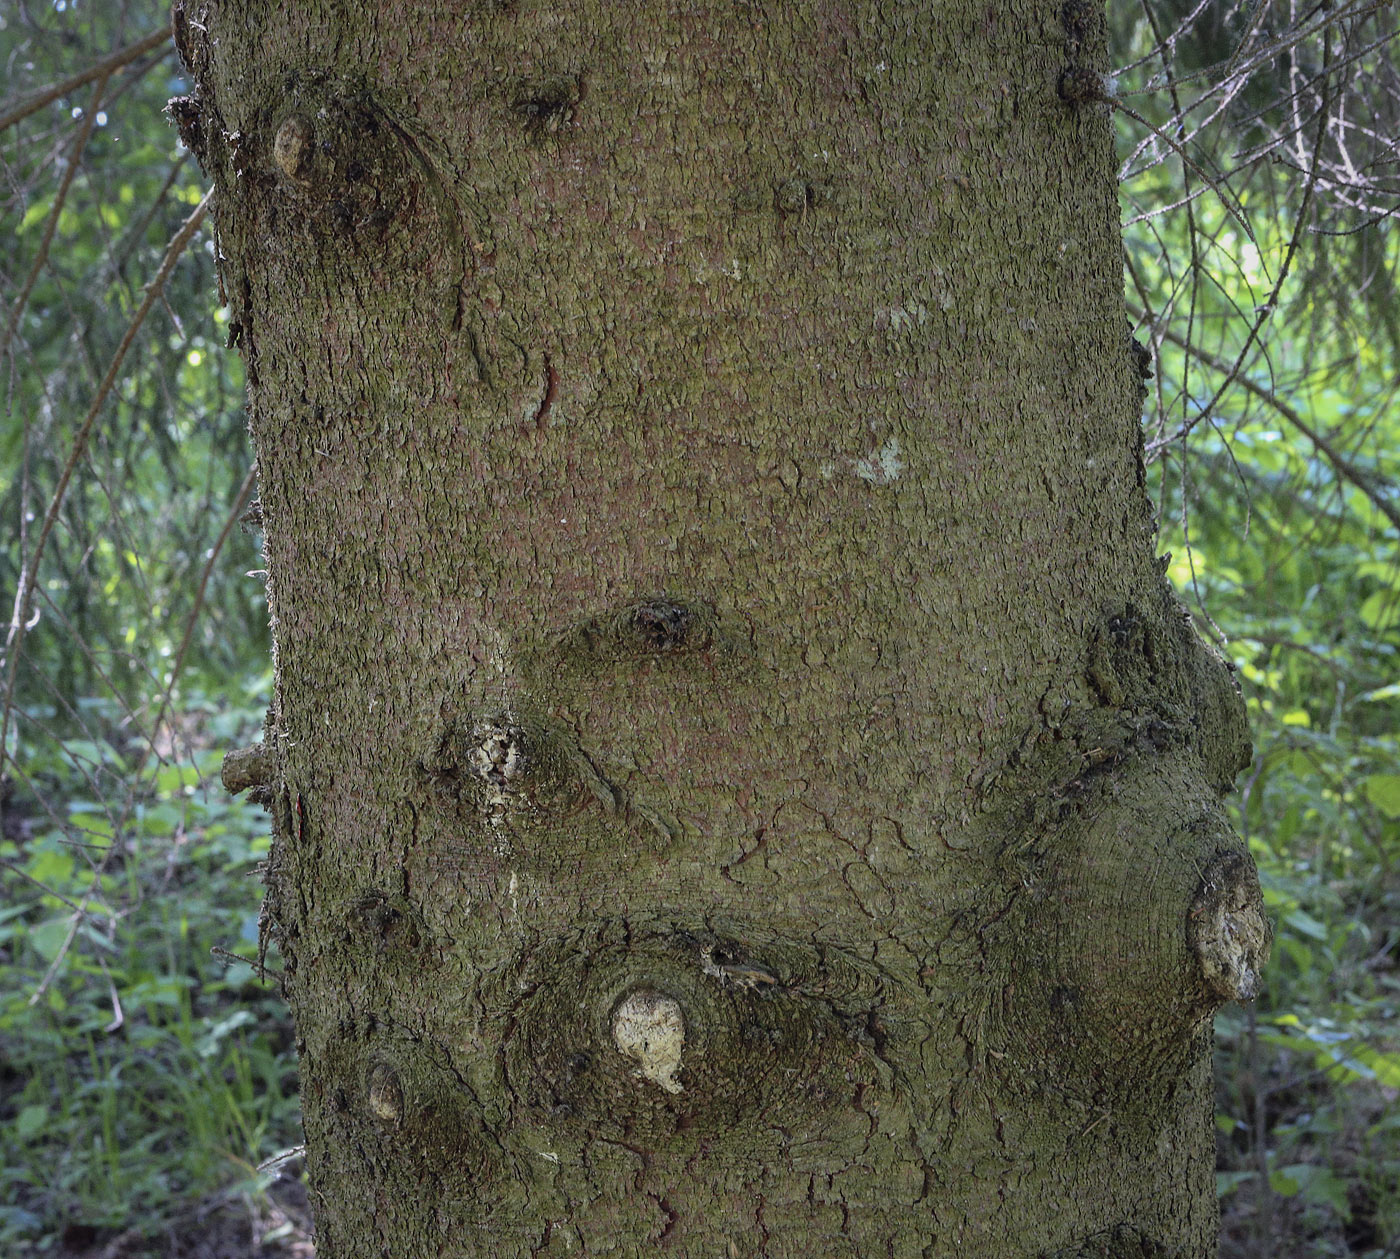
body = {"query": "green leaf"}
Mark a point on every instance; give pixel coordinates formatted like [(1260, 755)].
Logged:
[(161, 819), (1382, 610), (209, 1043), (1383, 790), (172, 778), (1227, 1182), (93, 824), (38, 210), (1385, 1067), (48, 937), (1318, 1185), (30, 1121), (1284, 1184), (51, 867), (1306, 924)]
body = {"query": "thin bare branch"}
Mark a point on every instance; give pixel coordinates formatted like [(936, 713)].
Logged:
[(1271, 302), (75, 157), (103, 69), (24, 596), (239, 499), (43, 887), (1235, 210), (1369, 485)]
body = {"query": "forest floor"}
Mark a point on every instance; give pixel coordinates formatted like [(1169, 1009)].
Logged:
[(275, 1226)]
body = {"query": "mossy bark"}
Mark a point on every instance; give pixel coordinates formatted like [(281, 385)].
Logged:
[(741, 783)]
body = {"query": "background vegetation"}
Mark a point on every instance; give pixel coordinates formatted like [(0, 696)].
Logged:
[(147, 1077)]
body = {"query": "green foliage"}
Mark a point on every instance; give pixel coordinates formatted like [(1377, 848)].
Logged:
[(138, 1070), (137, 1073), (122, 570), (1277, 499)]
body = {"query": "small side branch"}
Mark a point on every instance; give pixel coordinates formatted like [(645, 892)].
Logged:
[(248, 767)]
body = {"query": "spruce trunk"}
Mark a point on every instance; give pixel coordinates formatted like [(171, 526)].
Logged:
[(741, 783)]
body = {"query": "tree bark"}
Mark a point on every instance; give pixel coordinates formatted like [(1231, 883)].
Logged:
[(742, 783)]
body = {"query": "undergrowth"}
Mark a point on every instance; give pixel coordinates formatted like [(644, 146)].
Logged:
[(139, 1072)]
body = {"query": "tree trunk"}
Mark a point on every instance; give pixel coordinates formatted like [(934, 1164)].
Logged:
[(741, 783)]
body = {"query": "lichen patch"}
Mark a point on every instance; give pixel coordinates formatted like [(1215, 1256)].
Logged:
[(1232, 946), (881, 466), (1230, 934), (649, 1028), (497, 758)]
